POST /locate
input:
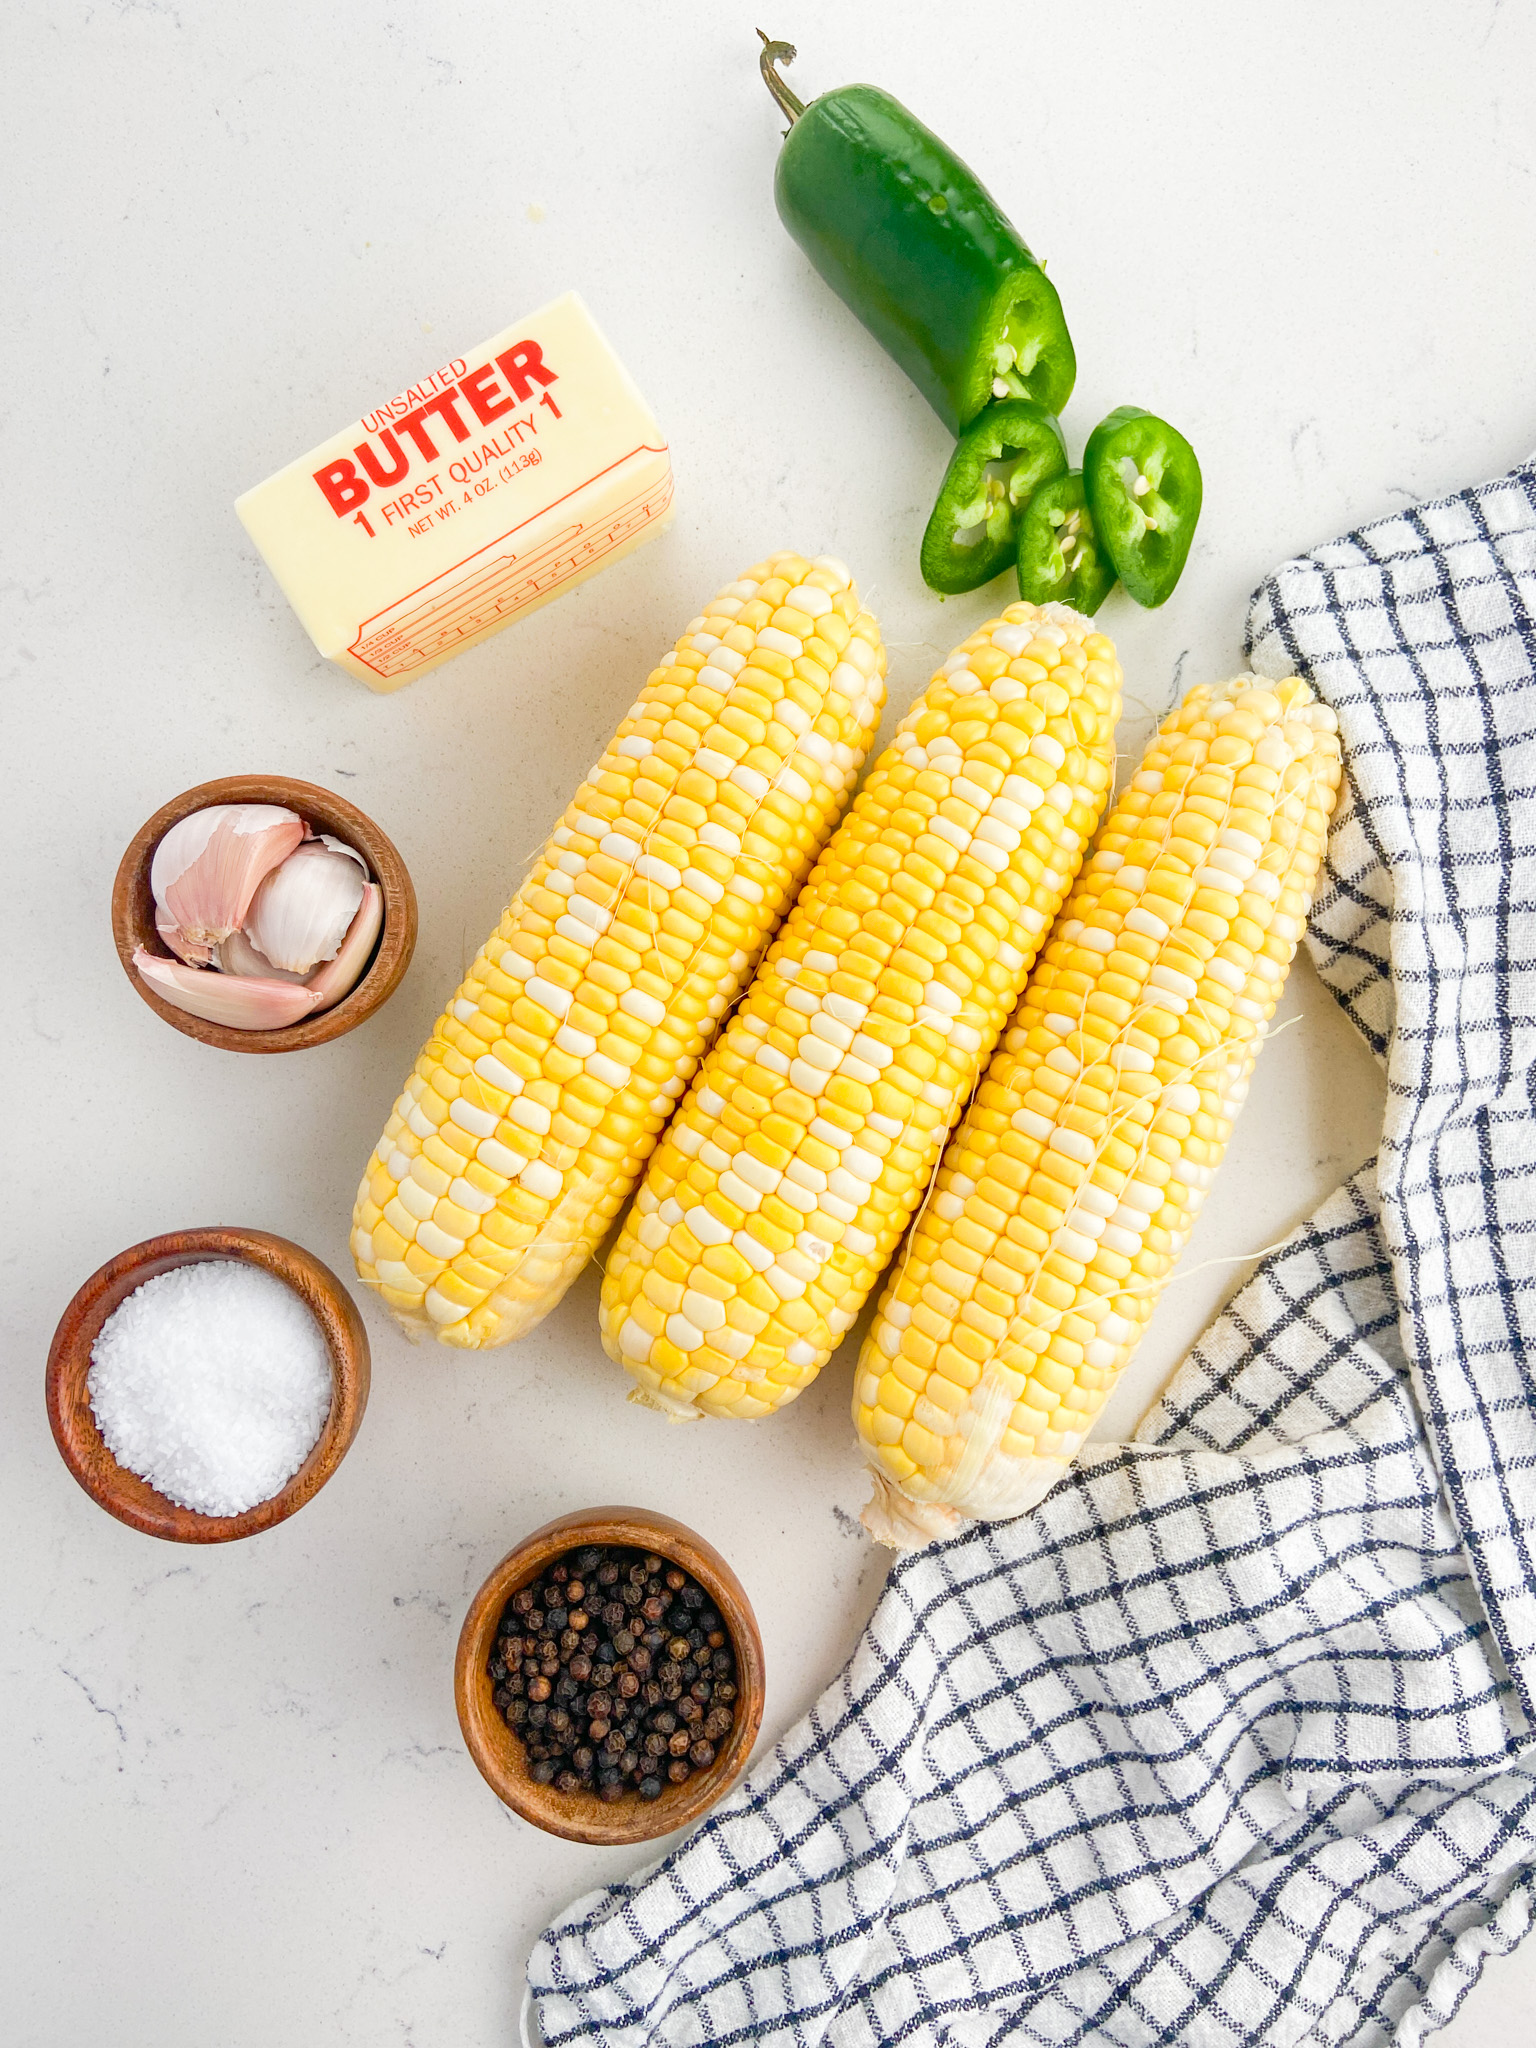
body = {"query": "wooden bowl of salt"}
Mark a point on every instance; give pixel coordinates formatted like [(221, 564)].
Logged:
[(76, 1431)]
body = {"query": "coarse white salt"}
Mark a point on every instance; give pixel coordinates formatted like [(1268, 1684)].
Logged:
[(213, 1382)]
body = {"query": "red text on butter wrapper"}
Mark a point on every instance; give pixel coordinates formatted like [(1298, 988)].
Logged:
[(522, 365)]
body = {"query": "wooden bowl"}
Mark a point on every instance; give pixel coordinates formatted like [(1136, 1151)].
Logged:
[(499, 1755), (133, 909), (123, 1493)]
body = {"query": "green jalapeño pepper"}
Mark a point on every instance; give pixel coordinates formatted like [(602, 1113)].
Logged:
[(1143, 485), (1061, 559), (911, 240), (1003, 458)]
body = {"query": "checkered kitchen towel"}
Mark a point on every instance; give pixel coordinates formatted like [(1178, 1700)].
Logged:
[(1230, 1741)]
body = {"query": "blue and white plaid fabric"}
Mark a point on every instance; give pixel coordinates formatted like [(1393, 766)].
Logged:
[(1230, 1741)]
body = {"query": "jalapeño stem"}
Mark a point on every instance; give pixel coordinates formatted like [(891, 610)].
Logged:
[(784, 99)]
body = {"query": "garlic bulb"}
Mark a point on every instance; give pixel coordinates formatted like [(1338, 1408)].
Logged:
[(301, 912), (240, 1001), (268, 921), (208, 867)]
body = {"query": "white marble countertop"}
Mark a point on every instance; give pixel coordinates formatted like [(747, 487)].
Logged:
[(237, 1808)]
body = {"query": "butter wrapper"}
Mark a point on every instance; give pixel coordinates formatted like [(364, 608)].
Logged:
[(465, 501)]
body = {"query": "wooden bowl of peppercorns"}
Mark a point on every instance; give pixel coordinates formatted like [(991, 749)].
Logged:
[(609, 1677)]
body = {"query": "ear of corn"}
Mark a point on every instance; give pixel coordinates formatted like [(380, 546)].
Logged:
[(1073, 1182), (535, 1103), (786, 1179)]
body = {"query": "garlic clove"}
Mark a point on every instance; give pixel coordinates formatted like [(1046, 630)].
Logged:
[(340, 976), (236, 955), (302, 910), (237, 1000), (208, 867), (184, 948)]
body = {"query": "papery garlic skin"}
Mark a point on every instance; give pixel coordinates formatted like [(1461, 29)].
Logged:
[(237, 1000), (207, 868), (176, 940), (340, 846), (301, 913), (340, 976)]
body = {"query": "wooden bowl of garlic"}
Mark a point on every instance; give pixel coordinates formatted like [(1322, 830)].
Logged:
[(262, 914)]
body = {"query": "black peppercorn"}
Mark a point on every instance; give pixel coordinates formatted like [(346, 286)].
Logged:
[(614, 1671)]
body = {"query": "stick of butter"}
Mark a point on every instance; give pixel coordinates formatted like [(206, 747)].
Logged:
[(470, 498)]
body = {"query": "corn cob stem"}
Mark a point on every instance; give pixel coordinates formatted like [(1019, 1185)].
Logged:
[(809, 1136), (1074, 1181), (534, 1105)]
